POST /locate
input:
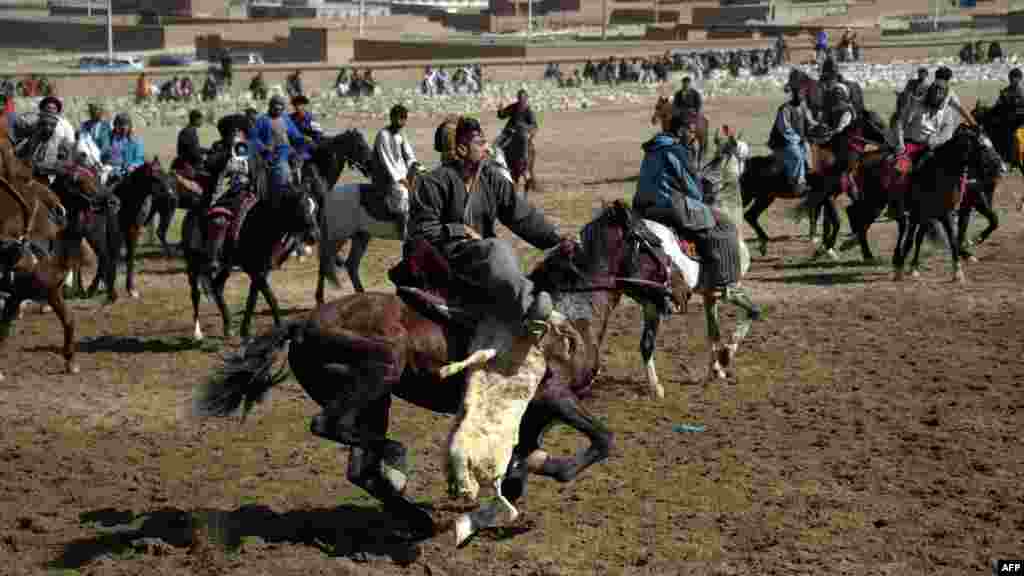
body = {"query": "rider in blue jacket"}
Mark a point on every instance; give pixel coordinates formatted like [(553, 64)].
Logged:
[(125, 152), (306, 122), (273, 137)]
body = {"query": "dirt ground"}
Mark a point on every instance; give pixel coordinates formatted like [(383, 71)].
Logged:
[(874, 427)]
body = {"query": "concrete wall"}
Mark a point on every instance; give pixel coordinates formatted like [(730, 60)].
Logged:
[(383, 50), (69, 36)]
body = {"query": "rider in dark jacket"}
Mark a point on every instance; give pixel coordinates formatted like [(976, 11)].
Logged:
[(456, 208), (1011, 110)]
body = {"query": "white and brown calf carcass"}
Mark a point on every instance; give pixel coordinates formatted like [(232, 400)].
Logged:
[(503, 375)]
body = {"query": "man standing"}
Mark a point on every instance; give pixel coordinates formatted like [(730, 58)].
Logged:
[(394, 159), (687, 100), (455, 208)]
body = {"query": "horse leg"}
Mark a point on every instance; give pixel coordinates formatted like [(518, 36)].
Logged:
[(984, 207), (963, 220), (131, 242), (760, 205), (812, 222), (10, 313), (356, 251), (920, 228), (568, 410), (55, 298), (739, 298), (166, 212), (954, 247), (714, 335), (218, 298), (830, 234), (193, 284), (376, 463), (250, 307), (899, 255), (652, 320), (263, 285)]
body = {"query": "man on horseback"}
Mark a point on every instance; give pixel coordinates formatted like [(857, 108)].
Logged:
[(455, 208), (51, 140), (830, 76), (125, 153), (952, 100), (925, 125), (788, 139), (519, 131), (273, 138), (97, 127), (311, 130), (839, 119), (1011, 112), (191, 157), (394, 158)]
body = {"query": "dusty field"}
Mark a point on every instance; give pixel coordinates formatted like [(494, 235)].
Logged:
[(874, 427)]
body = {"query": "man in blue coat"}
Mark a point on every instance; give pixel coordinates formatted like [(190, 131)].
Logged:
[(311, 131), (668, 192), (273, 138)]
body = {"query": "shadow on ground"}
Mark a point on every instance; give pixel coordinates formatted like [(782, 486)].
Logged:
[(349, 530)]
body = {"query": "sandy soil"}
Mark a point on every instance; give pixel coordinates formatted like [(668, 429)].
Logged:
[(874, 427)]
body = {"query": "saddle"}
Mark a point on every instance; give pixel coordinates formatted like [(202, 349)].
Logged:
[(375, 201), (423, 279)]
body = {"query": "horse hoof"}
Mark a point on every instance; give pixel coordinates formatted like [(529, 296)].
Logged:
[(133, 294), (2, 377), (898, 276), (959, 277), (463, 529), (763, 248), (73, 368), (832, 255), (915, 273)]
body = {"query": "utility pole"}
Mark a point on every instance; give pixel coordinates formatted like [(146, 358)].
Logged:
[(604, 19), (362, 16), (529, 19), (655, 13), (110, 31)]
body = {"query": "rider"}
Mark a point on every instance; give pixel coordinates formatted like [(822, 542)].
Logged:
[(394, 158), (455, 208), (831, 76), (946, 75), (273, 137), (97, 126), (521, 121), (125, 153), (52, 139), (925, 124), (310, 128), (788, 137), (190, 153), (840, 119), (240, 178), (1011, 111), (688, 99)]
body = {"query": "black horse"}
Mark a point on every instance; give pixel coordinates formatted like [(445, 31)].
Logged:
[(135, 193), (275, 217), (933, 196)]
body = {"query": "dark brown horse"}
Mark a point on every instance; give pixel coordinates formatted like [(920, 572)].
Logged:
[(938, 190), (354, 354), (35, 258)]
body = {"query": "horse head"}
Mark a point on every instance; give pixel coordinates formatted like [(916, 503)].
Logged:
[(349, 147)]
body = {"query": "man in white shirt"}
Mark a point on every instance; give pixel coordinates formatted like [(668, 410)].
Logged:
[(53, 138), (394, 159), (926, 124)]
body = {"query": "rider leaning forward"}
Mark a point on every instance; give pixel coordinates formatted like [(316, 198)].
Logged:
[(455, 207)]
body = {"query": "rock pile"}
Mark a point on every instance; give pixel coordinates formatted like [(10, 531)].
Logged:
[(544, 96)]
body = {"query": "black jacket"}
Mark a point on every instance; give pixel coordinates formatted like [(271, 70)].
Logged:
[(188, 146), (441, 209)]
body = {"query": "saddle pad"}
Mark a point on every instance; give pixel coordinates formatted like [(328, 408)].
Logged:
[(689, 268)]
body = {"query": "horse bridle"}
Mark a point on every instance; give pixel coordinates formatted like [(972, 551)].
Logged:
[(634, 242)]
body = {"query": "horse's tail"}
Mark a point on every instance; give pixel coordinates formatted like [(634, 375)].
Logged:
[(328, 251), (246, 376)]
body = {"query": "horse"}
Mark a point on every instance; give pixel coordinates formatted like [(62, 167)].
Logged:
[(354, 354), (934, 195), (663, 110), (273, 218), (984, 177), (35, 258), (344, 217), (511, 149)]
